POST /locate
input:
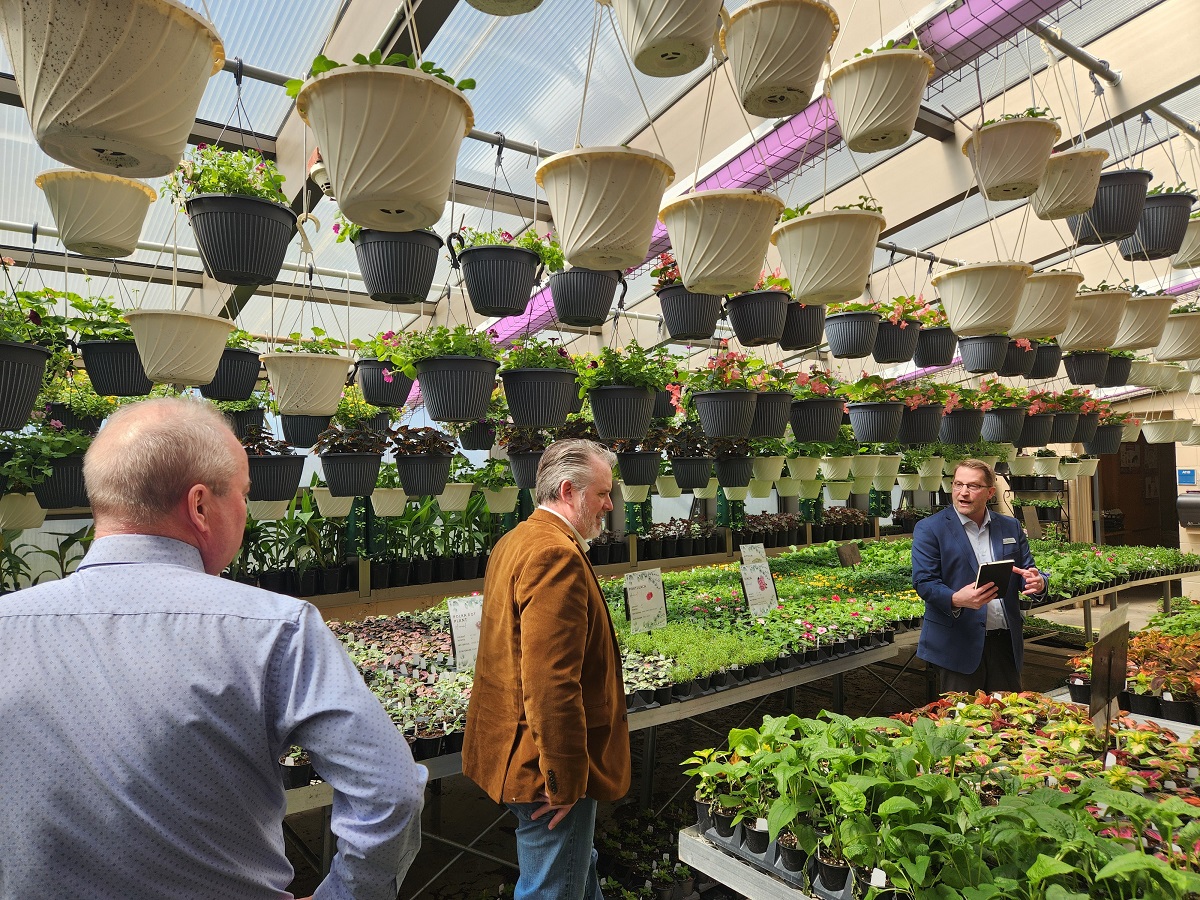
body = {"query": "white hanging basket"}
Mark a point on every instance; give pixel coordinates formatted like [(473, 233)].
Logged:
[(1069, 184), (20, 511), (877, 97), (1094, 320), (948, 484), (1194, 387), (1159, 431), (1183, 380), (708, 492), (1143, 322), (1141, 373), (776, 49), (1188, 256), (505, 7), (267, 510), (931, 482), (803, 468), (666, 37), (455, 497), (760, 489), (1087, 467), (111, 87), (668, 486), (861, 484), (889, 465), (306, 384), (720, 237), (1010, 157), (1045, 304), (1130, 433), (909, 481), (505, 500), (736, 493), (928, 468), (332, 507), (605, 201), (389, 136), (1193, 438), (179, 347), (838, 490), (1069, 471), (389, 501), (1021, 465), (950, 466), (1180, 338), (810, 488), (768, 468), (828, 255), (96, 214), (982, 298), (883, 482), (632, 493), (835, 468), (864, 465), (1192, 365), (1183, 429), (788, 487)]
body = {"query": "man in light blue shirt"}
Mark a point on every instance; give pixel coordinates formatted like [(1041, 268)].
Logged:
[(144, 702)]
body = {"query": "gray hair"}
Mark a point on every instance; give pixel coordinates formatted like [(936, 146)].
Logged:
[(150, 454), (989, 476), (568, 460)]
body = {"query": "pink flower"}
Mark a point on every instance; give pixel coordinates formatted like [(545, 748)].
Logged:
[(337, 227), (56, 424), (387, 375)]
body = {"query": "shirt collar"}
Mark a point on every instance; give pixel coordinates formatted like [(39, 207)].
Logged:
[(117, 549), (987, 519), (574, 530)]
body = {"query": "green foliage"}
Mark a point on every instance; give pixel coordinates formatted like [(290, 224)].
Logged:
[(209, 169), (416, 346), (34, 451), (632, 365), (532, 352), (912, 44), (1034, 112), (318, 342), (75, 390), (97, 319), (546, 248), (239, 340), (323, 64)]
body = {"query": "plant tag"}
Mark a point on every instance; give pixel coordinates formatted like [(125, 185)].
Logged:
[(1169, 785), (1110, 760), (760, 824), (759, 588), (1193, 773), (1051, 781), (878, 878), (1167, 696), (753, 553), (645, 600), (402, 670), (466, 616)]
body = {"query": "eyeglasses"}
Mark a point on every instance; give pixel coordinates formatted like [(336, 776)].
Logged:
[(970, 488)]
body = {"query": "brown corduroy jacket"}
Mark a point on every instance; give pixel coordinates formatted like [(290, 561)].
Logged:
[(547, 710)]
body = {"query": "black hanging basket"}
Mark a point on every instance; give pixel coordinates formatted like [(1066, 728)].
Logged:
[(61, 412), (539, 398), (237, 374), (21, 369), (302, 431), (397, 266), (477, 436), (246, 420), (1046, 364), (1117, 373), (758, 317), (584, 297), (275, 477), (353, 474), (1085, 428), (804, 327), (424, 475), (1160, 230), (1107, 439), (961, 426), (920, 424), (242, 240), (725, 414), (688, 316), (1063, 429), (372, 376), (851, 335), (1003, 424), (896, 343), (693, 472), (457, 388), (876, 422), (499, 278), (639, 467), (771, 413), (1036, 430), (984, 353), (115, 368), (663, 407), (64, 488), (1086, 367), (935, 347), (733, 471), (1115, 214), (524, 468), (1018, 361), (621, 412), (817, 419)]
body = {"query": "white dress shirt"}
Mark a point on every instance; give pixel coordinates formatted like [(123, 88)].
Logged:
[(980, 537)]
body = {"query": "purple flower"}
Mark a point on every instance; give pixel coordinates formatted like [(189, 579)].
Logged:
[(337, 227), (387, 375), (34, 317)]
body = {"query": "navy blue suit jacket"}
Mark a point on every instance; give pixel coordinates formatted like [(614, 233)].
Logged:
[(943, 561)]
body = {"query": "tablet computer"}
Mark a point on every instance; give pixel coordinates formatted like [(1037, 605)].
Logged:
[(999, 573)]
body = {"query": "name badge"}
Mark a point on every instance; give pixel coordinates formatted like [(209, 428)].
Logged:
[(1009, 541)]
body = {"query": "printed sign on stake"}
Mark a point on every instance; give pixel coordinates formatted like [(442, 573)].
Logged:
[(753, 553), (759, 588), (645, 600), (466, 615)]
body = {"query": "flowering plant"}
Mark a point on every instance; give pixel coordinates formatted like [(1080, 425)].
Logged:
[(546, 248), (901, 310), (666, 273), (725, 370), (1001, 395), (531, 352), (1109, 415), (383, 346), (1075, 400), (345, 229), (208, 169), (773, 280), (353, 410), (417, 346), (75, 390), (932, 315), (874, 389), (964, 398), (632, 365), (815, 384), (923, 393), (854, 306)]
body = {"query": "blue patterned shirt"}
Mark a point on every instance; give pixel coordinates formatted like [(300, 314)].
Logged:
[(143, 708)]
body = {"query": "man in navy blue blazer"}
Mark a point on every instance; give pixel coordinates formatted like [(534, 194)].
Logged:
[(972, 634)]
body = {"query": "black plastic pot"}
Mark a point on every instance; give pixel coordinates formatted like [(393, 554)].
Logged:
[(1115, 214), (524, 468), (1179, 711), (427, 747), (1063, 429), (833, 877), (60, 412), (804, 327), (754, 840), (354, 474), (1086, 367), (583, 297), (983, 353), (499, 278), (422, 571), (663, 407), (1145, 704), (692, 472), (539, 398), (242, 240), (1035, 432), (1085, 428), (457, 388), (1003, 424), (935, 347), (64, 488), (792, 858), (373, 375), (876, 422), (896, 343), (961, 426), (1018, 361), (1160, 230), (817, 419), (275, 477), (295, 776), (1106, 440), (621, 412), (1046, 365), (115, 368), (1117, 373), (851, 335), (725, 414), (397, 266), (771, 413), (688, 316), (477, 436), (758, 317), (921, 424), (640, 467), (237, 373), (733, 471), (724, 824), (302, 431), (423, 475)]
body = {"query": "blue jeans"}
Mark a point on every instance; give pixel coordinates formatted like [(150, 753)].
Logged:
[(558, 864)]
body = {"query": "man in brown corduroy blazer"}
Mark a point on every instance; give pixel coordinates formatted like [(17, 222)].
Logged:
[(547, 733)]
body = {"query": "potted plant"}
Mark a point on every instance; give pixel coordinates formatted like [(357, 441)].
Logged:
[(423, 457), (688, 316), (495, 482), (1045, 463), (1117, 209), (1069, 184), (1189, 251), (456, 495), (689, 456), (759, 316), (721, 395), (1005, 411), (396, 266), (732, 461), (899, 330), (350, 457), (481, 434), (1045, 305), (1080, 414), (389, 499), (1009, 154), (1019, 358), (982, 298), (924, 402), (70, 400), (772, 409), (584, 297), (275, 469), (817, 409), (851, 328), (962, 416), (456, 370), (1181, 334), (876, 408), (539, 382), (1163, 223), (638, 461), (500, 269), (355, 412), (828, 253), (768, 456), (379, 372), (1095, 316), (307, 375), (935, 342), (1039, 422), (1049, 357), (877, 95), (97, 213), (804, 327), (106, 342), (983, 353), (29, 336), (237, 369), (1143, 322), (1107, 438), (1086, 366), (621, 383), (178, 346), (48, 460)]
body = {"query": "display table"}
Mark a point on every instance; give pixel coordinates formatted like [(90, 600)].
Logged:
[(735, 874)]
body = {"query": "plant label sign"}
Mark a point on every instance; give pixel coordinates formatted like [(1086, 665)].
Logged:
[(1109, 668), (466, 615), (759, 588), (645, 600), (753, 553)]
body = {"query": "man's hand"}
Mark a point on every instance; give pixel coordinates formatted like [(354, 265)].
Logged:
[(971, 597), (560, 812), (1035, 582)]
